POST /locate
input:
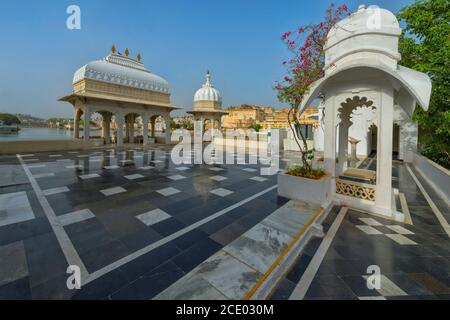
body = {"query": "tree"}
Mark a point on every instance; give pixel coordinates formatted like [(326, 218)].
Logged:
[(9, 119), (256, 127), (173, 124), (306, 46), (425, 47)]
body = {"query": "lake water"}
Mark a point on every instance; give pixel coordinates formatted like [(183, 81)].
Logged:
[(42, 134)]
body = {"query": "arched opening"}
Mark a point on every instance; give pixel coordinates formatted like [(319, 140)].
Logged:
[(159, 128), (353, 181)]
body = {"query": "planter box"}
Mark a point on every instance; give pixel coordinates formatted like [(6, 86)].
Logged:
[(303, 189)]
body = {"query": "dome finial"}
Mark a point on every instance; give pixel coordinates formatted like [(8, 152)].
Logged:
[(208, 78)]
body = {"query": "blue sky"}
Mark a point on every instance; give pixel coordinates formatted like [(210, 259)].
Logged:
[(238, 40)]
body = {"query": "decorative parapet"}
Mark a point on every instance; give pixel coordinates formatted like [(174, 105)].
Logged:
[(355, 189)]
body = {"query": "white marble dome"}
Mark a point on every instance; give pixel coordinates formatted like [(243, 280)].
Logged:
[(372, 31), (208, 92), (121, 70)]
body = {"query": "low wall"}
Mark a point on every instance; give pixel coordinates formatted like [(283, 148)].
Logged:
[(437, 176), (15, 147)]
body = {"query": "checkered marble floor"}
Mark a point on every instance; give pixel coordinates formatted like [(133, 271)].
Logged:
[(126, 213), (413, 260)]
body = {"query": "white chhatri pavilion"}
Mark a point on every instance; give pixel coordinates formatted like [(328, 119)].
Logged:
[(208, 105), (361, 73), (120, 87)]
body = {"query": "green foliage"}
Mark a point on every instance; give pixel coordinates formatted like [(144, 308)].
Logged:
[(425, 46), (174, 125), (9, 119), (257, 127)]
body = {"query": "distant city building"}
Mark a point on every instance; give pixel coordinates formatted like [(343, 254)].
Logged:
[(244, 116)]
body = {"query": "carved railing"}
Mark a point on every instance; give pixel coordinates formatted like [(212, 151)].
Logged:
[(355, 189)]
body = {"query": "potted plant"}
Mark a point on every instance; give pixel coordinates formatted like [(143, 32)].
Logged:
[(305, 67)]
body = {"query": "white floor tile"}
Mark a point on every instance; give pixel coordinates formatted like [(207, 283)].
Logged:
[(401, 239), (146, 168), (249, 170), (216, 169), (152, 217), (176, 177), (399, 229), (74, 217), (52, 191), (168, 191), (369, 230), (89, 176), (111, 167), (134, 176), (259, 179), (43, 175), (112, 191), (14, 208), (218, 178), (370, 222), (221, 192)]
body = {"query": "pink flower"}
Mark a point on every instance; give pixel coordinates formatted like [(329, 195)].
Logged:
[(286, 35)]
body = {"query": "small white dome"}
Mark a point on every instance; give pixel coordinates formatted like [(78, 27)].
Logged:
[(370, 32), (207, 92), (365, 20), (117, 69)]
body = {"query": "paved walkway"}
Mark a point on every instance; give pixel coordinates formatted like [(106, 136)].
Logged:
[(238, 267), (414, 260)]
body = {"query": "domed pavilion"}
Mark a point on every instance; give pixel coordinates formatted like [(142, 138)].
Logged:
[(122, 88), (362, 73), (208, 105)]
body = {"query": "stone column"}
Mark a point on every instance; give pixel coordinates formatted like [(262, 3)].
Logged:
[(330, 139), (107, 127), (76, 125), (219, 125), (131, 135), (87, 120), (168, 130), (103, 125), (211, 127), (343, 146), (145, 128), (127, 127), (152, 125), (330, 146), (383, 193), (119, 123)]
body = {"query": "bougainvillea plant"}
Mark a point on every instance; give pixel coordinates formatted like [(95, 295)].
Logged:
[(305, 66)]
